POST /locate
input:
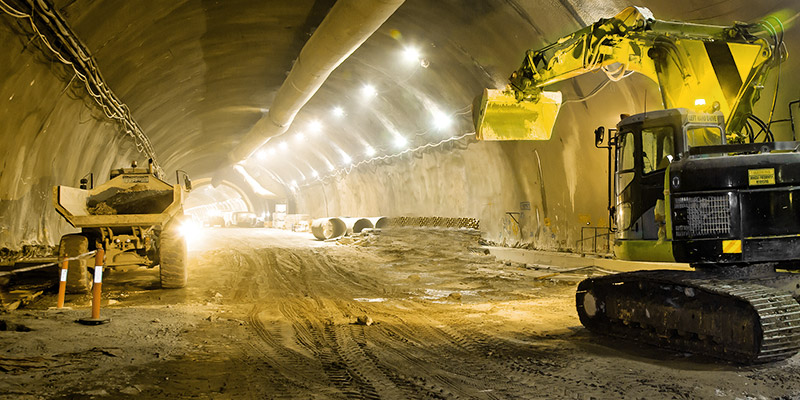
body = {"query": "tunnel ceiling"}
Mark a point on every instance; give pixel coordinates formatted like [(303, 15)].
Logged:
[(197, 74)]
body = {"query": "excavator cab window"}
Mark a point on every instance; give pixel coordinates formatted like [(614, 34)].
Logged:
[(657, 148), (626, 151), (704, 136)]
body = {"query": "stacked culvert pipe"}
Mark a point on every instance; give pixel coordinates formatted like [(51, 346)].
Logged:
[(328, 228)]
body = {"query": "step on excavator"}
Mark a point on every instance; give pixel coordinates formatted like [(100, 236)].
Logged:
[(700, 181)]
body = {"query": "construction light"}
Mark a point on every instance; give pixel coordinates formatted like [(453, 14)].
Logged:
[(400, 142), (315, 127), (441, 121), (700, 102), (411, 54), (368, 91)]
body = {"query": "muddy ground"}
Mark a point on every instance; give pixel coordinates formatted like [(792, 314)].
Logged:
[(405, 314)]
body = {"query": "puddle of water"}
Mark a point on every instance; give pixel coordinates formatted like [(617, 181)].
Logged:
[(368, 300)]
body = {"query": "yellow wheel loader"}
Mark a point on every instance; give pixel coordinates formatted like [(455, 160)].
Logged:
[(135, 217)]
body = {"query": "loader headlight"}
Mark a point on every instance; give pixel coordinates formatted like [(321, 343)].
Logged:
[(192, 232)]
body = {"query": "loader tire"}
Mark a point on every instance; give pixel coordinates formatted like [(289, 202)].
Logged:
[(172, 256), (79, 280)]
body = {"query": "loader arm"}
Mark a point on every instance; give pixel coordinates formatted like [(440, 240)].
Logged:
[(723, 67)]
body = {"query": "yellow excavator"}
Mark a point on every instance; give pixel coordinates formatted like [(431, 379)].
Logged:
[(701, 181)]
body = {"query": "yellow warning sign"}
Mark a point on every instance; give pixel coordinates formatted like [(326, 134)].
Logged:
[(731, 246), (763, 176)]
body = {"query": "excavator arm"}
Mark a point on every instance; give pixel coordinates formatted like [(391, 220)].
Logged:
[(716, 68)]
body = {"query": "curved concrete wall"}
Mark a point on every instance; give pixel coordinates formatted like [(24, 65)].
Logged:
[(51, 134), (197, 74), (554, 187)]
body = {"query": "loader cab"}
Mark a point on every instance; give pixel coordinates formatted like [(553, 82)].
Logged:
[(134, 170), (645, 146)]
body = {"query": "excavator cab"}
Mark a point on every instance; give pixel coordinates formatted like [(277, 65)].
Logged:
[(644, 148)]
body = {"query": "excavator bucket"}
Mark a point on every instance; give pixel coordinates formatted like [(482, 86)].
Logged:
[(501, 117)]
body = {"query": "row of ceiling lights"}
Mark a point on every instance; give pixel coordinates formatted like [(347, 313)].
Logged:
[(439, 121)]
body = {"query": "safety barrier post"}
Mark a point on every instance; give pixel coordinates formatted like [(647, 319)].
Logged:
[(96, 291), (62, 284)]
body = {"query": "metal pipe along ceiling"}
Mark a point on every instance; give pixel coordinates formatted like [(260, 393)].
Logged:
[(348, 24)]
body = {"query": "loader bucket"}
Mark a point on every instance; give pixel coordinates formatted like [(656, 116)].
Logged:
[(501, 117)]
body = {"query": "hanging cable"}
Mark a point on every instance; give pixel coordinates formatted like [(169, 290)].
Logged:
[(58, 35)]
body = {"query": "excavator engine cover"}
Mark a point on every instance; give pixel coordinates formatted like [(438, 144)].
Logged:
[(502, 117)]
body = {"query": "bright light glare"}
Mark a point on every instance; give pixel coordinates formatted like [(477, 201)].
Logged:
[(400, 142), (294, 183), (441, 120), (283, 145), (315, 127), (192, 232), (370, 151), (314, 173), (700, 102), (299, 137), (368, 91), (261, 155), (338, 112), (271, 151), (411, 54), (346, 159)]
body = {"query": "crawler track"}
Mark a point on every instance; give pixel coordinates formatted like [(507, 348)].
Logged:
[(736, 320)]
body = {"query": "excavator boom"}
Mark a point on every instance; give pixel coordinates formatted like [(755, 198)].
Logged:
[(702, 67)]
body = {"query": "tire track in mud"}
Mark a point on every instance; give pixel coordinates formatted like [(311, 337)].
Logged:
[(334, 353), (302, 312), (452, 361)]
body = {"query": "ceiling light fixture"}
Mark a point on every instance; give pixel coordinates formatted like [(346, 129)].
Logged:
[(441, 121), (315, 127), (368, 91), (411, 54), (400, 142)]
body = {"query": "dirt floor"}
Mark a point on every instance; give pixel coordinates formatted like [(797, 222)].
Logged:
[(404, 314)]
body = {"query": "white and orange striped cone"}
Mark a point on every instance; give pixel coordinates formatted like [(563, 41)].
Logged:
[(98, 283), (62, 284)]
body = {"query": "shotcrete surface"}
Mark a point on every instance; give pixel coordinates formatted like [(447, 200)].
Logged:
[(403, 314)]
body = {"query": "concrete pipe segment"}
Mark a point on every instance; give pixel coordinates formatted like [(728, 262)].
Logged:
[(380, 222), (328, 228), (356, 225)]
